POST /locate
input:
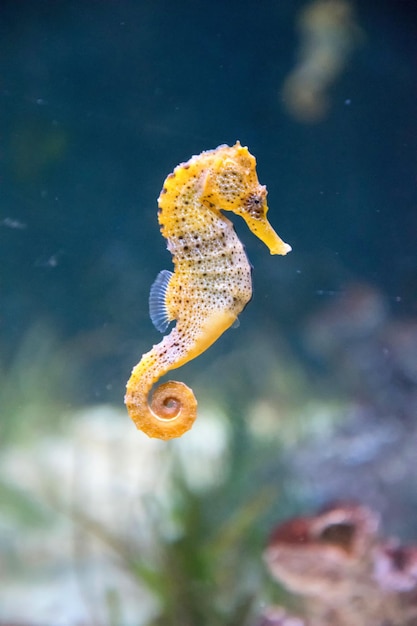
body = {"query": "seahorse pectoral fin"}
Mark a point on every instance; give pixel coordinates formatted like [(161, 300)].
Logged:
[(264, 231), (158, 309)]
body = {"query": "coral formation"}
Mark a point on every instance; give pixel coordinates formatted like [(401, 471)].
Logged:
[(344, 571)]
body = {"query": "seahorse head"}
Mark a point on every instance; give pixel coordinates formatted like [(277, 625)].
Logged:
[(232, 184)]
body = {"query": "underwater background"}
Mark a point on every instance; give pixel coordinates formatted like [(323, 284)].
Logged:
[(312, 399)]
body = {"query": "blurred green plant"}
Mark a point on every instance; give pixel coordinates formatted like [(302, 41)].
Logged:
[(35, 386), (34, 393), (196, 549), (202, 562)]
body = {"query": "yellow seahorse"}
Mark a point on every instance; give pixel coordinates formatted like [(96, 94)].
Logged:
[(211, 282)]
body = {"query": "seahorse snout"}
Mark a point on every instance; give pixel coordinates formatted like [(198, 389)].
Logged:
[(262, 229)]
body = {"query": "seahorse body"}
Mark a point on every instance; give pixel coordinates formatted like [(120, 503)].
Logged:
[(211, 283)]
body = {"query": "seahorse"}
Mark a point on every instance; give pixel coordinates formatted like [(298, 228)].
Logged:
[(211, 283)]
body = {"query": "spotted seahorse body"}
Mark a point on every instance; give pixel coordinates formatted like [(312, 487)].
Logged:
[(211, 282)]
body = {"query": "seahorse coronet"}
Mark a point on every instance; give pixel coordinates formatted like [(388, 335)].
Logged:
[(211, 283)]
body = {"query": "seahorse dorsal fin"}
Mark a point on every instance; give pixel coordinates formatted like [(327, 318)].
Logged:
[(157, 301)]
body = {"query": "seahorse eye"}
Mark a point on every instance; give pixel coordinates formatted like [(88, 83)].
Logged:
[(254, 205)]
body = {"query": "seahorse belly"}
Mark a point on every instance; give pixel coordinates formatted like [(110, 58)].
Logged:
[(218, 280)]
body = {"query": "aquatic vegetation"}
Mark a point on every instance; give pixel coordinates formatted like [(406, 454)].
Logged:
[(163, 553), (146, 546), (132, 520), (35, 385), (211, 283)]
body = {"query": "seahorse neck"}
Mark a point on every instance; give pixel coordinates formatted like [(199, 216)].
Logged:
[(181, 210)]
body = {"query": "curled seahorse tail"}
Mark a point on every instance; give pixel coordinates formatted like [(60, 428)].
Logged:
[(171, 412)]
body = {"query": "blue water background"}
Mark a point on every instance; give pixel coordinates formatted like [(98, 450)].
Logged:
[(100, 100)]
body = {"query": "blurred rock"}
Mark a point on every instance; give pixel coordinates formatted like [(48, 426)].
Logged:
[(345, 573), (276, 616), (369, 358)]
